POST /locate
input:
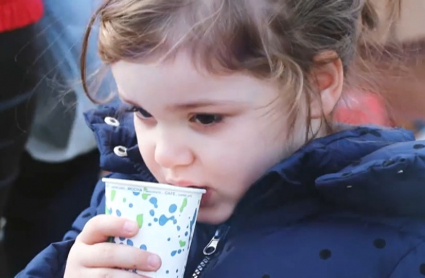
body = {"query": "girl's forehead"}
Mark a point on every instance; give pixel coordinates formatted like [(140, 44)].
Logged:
[(180, 82)]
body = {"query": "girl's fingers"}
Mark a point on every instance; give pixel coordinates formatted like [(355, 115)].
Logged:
[(100, 228), (119, 256)]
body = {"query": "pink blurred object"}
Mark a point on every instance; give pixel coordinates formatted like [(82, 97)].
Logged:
[(359, 108)]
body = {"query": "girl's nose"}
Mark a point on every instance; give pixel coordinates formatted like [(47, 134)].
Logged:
[(170, 154)]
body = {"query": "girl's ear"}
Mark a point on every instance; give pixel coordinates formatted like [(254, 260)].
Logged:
[(327, 79)]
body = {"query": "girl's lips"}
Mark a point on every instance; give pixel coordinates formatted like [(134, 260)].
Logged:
[(206, 198), (184, 183)]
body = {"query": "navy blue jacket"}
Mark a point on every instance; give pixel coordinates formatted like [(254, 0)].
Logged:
[(350, 205)]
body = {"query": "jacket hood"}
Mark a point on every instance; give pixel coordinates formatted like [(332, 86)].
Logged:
[(367, 169)]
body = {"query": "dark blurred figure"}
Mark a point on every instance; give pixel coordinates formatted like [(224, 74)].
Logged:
[(60, 165), (17, 80)]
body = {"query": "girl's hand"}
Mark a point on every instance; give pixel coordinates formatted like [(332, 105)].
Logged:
[(92, 256)]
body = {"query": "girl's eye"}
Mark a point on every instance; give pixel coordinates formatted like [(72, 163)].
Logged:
[(206, 119), (141, 113)]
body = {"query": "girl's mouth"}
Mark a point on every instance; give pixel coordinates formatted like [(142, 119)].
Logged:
[(206, 197)]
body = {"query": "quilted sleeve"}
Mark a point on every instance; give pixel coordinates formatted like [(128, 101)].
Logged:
[(51, 262)]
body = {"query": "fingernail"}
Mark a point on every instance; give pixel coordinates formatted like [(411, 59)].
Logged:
[(130, 226), (154, 261)]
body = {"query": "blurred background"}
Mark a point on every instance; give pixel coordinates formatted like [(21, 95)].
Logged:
[(48, 157)]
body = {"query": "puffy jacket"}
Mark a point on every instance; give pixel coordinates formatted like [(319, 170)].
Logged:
[(350, 205)]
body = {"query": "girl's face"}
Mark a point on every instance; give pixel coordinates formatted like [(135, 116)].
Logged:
[(195, 129)]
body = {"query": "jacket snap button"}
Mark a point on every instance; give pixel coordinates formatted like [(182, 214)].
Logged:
[(120, 151), (112, 121)]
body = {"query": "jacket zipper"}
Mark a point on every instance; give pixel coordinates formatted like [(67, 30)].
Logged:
[(210, 250)]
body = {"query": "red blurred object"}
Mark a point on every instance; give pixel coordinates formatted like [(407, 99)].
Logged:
[(362, 108), (15, 14)]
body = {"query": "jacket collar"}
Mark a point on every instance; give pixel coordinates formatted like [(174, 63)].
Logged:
[(332, 153), (306, 173)]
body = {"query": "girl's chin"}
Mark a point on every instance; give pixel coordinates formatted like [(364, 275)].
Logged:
[(213, 215)]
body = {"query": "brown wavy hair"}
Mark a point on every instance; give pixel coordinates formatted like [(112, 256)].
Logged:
[(272, 39)]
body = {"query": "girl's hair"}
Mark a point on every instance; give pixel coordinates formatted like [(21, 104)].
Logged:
[(271, 39)]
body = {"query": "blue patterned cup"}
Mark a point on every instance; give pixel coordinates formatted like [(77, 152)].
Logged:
[(166, 216)]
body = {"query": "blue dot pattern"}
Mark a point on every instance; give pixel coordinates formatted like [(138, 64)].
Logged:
[(155, 217)]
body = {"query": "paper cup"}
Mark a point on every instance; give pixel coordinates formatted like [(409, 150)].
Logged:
[(166, 216)]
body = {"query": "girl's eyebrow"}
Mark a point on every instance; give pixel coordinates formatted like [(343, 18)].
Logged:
[(201, 104), (190, 105)]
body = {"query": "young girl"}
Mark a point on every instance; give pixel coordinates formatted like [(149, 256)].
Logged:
[(235, 96)]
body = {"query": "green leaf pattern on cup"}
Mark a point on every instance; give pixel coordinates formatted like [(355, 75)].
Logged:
[(183, 205), (145, 195), (140, 220)]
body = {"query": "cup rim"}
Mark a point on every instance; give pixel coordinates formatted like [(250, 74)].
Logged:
[(142, 184)]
